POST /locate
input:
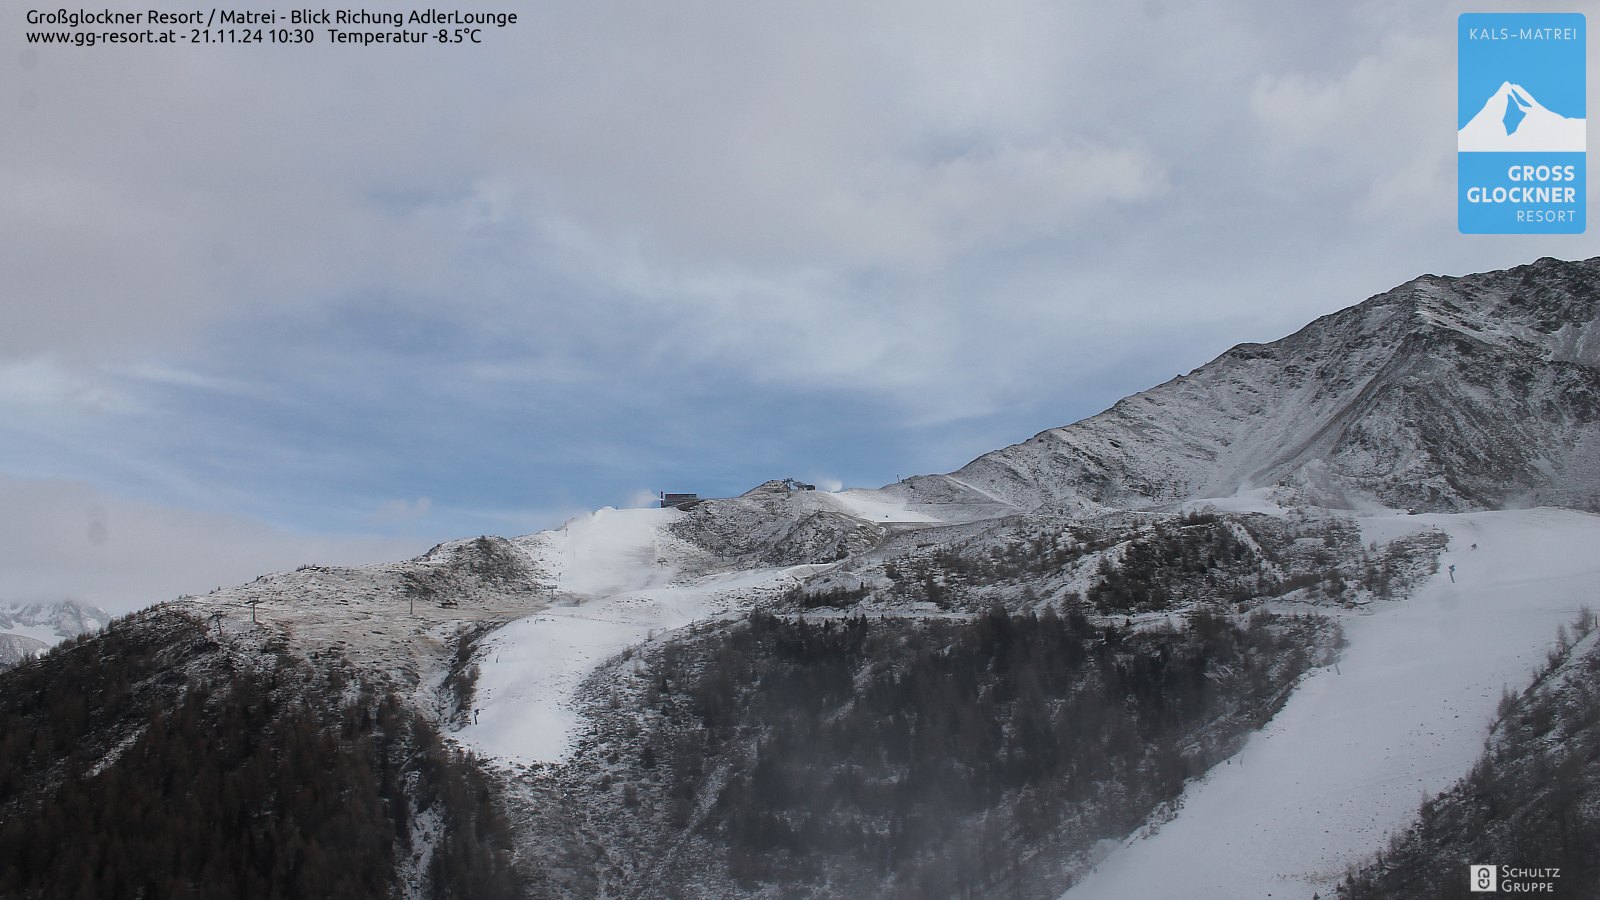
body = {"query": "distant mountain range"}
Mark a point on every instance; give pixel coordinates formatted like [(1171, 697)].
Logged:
[(27, 629)]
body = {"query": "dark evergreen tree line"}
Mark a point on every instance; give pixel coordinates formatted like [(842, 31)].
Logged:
[(1163, 564), (1195, 557), (148, 763), (944, 757)]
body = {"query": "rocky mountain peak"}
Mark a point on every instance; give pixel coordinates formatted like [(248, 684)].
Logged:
[(1443, 393)]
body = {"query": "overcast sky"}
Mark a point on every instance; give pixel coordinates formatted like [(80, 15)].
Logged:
[(267, 305)]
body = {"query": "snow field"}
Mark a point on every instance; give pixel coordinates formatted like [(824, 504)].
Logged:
[(620, 575), (1352, 754), (876, 506)]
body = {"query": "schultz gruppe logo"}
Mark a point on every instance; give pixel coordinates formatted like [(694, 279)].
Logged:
[(1513, 879), (1521, 118)]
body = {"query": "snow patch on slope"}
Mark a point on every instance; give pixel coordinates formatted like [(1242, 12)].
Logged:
[(605, 552), (621, 578), (876, 506)]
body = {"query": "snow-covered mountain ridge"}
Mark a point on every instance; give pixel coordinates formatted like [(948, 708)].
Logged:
[(52, 622), (1443, 394), (27, 629)]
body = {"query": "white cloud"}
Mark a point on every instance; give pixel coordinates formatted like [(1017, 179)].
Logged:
[(1383, 127), (927, 213), (643, 498), (41, 388), (63, 539), (396, 511)]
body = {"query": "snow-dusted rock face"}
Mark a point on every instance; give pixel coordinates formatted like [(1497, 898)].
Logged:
[(28, 629), (400, 621), (59, 620), (14, 648), (771, 525), (1442, 394)]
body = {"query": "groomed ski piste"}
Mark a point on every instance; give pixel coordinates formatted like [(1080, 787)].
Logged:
[(621, 578), (1355, 750)]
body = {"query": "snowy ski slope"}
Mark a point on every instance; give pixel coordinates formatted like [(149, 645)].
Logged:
[(622, 578), (1350, 757)]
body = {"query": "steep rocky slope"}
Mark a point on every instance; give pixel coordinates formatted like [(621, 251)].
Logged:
[(1442, 394), (14, 648)]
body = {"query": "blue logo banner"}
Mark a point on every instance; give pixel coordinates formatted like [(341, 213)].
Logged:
[(1521, 136)]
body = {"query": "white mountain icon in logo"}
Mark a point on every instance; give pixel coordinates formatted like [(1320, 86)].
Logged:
[(1513, 120)]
